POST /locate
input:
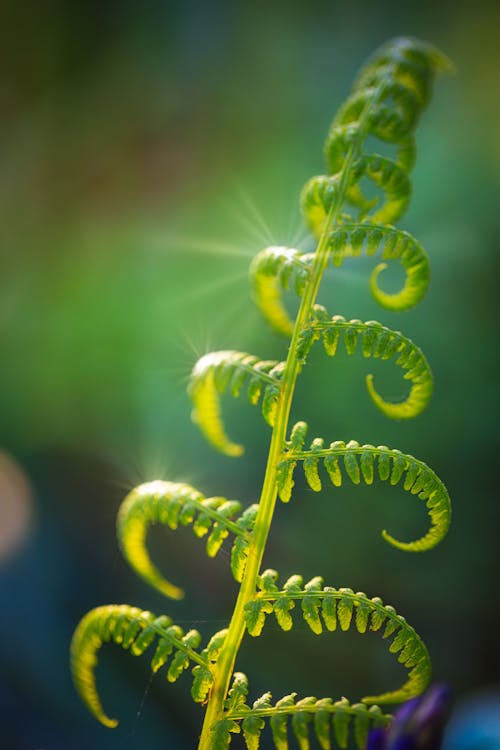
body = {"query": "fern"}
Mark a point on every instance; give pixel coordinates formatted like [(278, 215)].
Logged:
[(134, 630), (393, 244), (376, 341), (273, 269), (341, 608), (348, 218), (176, 504), (363, 463)]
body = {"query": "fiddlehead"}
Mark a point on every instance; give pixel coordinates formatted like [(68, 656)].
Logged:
[(350, 210), (385, 103), (400, 75)]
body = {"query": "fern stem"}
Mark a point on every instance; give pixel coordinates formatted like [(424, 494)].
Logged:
[(224, 667), (180, 645), (290, 710)]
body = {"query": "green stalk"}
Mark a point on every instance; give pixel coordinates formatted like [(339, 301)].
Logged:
[(224, 667)]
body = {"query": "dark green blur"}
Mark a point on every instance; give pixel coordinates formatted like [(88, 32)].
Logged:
[(147, 152)]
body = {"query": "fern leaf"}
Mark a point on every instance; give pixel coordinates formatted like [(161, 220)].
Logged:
[(311, 605), (363, 462), (237, 693), (203, 680), (345, 608), (221, 733), (298, 436), (272, 270), (217, 371), (379, 342), (202, 673), (240, 549), (341, 721), (352, 608), (279, 721), (329, 609), (282, 606), (284, 479), (267, 580), (175, 504), (254, 723), (310, 717), (322, 723), (301, 720), (350, 239), (255, 615), (135, 630), (252, 728)]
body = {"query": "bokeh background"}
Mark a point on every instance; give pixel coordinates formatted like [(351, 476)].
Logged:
[(147, 152)]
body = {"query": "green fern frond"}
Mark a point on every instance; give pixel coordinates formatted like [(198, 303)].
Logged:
[(331, 607), (349, 210), (134, 630), (221, 733), (377, 341), (237, 693), (331, 723), (398, 77), (174, 504), (351, 239), (272, 270), (217, 371), (203, 673), (366, 463), (241, 545)]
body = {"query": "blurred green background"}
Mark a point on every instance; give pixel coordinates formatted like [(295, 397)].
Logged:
[(147, 152)]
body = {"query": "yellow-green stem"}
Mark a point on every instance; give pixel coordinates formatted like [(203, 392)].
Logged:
[(224, 667)]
